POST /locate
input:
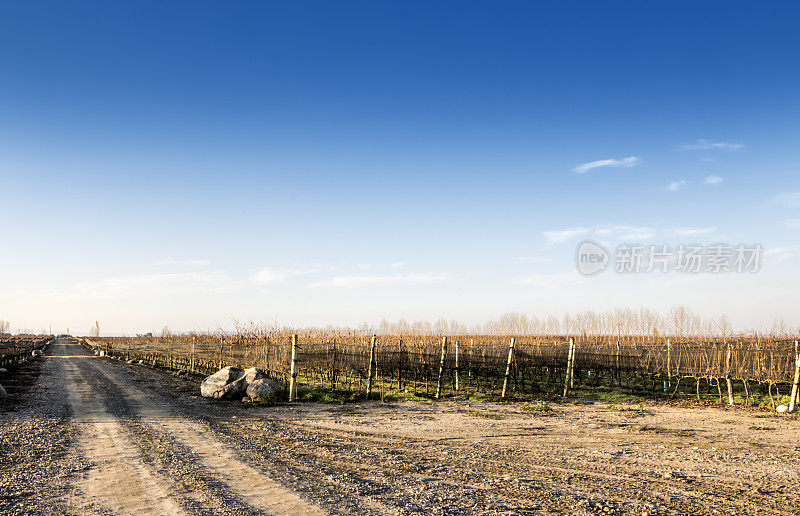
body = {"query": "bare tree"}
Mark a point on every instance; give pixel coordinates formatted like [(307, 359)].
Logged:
[(679, 320)]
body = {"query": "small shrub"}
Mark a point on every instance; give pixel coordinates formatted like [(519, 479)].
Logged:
[(267, 400), (540, 406)]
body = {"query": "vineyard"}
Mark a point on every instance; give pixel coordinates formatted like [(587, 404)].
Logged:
[(15, 348), (436, 366)]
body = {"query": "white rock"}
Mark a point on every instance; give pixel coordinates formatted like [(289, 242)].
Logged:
[(3, 393), (228, 382), (782, 408), (36, 353), (3, 370), (262, 388), (253, 374)]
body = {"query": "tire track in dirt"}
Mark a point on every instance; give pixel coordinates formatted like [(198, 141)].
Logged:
[(199, 492), (249, 484), (119, 482)]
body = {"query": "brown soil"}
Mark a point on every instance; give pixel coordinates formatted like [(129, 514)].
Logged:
[(137, 440)]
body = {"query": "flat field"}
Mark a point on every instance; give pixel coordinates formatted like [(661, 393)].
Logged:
[(82, 434)]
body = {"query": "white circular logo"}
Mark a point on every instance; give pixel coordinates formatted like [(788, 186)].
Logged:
[(592, 258)]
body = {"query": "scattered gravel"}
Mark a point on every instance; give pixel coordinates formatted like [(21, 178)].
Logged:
[(36, 463), (407, 458)]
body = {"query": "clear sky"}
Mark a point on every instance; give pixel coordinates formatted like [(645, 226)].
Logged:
[(188, 163)]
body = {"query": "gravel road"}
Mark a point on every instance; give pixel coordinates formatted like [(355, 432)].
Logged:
[(88, 435)]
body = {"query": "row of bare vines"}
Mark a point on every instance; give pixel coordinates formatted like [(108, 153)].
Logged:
[(341, 360)]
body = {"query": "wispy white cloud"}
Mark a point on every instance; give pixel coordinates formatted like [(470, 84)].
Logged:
[(676, 280), (711, 145), (787, 199), (630, 161), (397, 279), (676, 185), (534, 259), (143, 285), (268, 276), (691, 231), (552, 280), (623, 232), (562, 235), (780, 254), (713, 180), (397, 265), (184, 263), (792, 223)]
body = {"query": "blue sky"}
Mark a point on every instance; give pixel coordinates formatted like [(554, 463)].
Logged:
[(188, 163)]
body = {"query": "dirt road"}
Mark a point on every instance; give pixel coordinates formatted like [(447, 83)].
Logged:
[(90, 435)]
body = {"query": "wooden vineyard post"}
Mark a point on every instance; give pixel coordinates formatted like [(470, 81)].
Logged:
[(669, 362), (668, 368), (568, 375), (221, 347), (793, 399), (508, 367), (441, 368), (728, 374), (469, 359), (333, 368), (456, 380), (293, 370), (191, 367), (399, 365), (371, 369), (572, 365)]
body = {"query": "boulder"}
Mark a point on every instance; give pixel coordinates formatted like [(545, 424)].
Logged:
[(262, 388), (782, 408), (2, 392), (253, 374), (36, 353), (3, 370), (228, 382), (129, 361)]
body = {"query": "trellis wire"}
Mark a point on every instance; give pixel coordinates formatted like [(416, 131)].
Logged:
[(340, 360)]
